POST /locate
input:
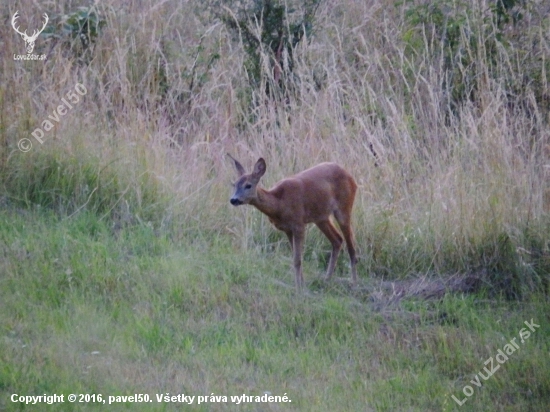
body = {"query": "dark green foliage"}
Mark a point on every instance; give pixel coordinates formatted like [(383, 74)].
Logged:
[(499, 258), (77, 30), (272, 28), (472, 44), (504, 10)]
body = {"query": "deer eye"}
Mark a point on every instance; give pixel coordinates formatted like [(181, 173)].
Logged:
[(248, 186)]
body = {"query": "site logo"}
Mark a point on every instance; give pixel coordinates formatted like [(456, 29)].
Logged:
[(29, 40)]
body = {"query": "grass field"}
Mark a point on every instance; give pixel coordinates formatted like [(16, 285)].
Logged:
[(124, 269), (84, 311)]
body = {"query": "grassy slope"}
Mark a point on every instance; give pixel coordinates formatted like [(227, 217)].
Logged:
[(123, 270), (198, 318)]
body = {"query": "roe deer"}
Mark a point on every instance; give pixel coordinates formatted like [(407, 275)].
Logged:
[(308, 197)]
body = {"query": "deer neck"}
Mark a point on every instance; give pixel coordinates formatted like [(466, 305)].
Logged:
[(266, 203)]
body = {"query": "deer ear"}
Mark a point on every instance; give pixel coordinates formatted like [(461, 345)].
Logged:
[(259, 168), (238, 166)]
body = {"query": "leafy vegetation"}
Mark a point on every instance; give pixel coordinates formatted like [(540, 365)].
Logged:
[(78, 30), (473, 44), (269, 31)]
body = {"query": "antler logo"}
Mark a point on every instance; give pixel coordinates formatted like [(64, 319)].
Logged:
[(29, 40)]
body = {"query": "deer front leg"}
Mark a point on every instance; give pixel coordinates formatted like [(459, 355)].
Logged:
[(297, 247), (289, 236)]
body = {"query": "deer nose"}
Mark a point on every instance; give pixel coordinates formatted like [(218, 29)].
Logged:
[(235, 202)]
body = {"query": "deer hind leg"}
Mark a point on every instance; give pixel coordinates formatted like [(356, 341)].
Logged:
[(335, 239), (344, 221)]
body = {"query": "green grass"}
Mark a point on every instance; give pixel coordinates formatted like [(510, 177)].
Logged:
[(87, 310)]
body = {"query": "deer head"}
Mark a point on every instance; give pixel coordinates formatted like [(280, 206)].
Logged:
[(29, 40), (245, 186)]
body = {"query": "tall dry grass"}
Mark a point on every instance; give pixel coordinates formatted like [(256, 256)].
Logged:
[(454, 188)]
